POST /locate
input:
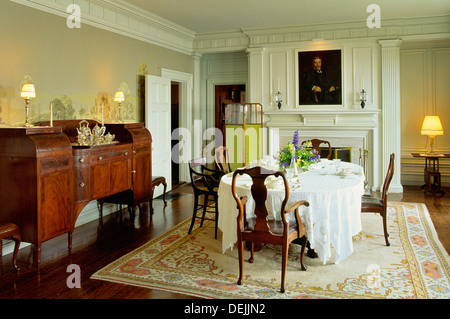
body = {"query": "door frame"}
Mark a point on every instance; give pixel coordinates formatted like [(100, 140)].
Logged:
[(185, 81)]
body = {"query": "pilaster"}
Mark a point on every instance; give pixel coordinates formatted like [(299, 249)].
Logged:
[(255, 75), (391, 121)]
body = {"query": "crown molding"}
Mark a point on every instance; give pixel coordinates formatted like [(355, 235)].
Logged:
[(123, 18), (437, 27)]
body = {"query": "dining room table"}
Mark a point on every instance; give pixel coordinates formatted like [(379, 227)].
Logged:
[(333, 190)]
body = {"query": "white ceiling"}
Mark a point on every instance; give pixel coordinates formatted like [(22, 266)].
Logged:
[(204, 16)]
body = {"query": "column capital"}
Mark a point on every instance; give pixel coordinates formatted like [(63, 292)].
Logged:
[(390, 43), (255, 51)]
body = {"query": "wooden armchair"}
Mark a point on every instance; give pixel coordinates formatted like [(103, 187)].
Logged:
[(370, 204), (203, 184), (222, 159), (316, 145), (260, 229)]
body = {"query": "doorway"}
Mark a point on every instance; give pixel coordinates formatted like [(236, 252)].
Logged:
[(227, 94), (175, 123)]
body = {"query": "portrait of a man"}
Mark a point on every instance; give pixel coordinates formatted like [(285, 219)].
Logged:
[(320, 77)]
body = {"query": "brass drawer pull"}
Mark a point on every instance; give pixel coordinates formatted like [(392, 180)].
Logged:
[(81, 160), (82, 185), (126, 153), (100, 158)]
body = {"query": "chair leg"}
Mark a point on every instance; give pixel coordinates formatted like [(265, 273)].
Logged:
[(164, 193), (217, 215), (386, 235), (302, 253), (252, 252), (205, 207), (16, 237), (241, 260), (285, 248), (194, 214)]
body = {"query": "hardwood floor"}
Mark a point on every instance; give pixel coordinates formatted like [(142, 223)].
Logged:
[(95, 246)]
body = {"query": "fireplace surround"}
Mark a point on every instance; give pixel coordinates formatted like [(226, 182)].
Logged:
[(357, 130)]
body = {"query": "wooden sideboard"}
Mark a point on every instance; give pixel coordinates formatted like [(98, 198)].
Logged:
[(46, 181)]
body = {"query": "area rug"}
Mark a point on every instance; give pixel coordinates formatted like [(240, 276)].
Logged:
[(415, 266)]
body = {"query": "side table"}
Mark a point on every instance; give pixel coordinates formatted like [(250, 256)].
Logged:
[(432, 175)]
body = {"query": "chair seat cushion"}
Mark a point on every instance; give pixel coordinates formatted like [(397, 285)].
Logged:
[(276, 226), (8, 230), (368, 201)]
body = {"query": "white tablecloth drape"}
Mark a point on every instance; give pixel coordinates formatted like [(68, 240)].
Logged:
[(334, 214)]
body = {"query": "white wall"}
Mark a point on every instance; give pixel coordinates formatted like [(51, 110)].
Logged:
[(425, 77)]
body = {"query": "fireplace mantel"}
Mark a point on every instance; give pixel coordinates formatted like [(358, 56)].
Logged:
[(357, 129), (325, 117)]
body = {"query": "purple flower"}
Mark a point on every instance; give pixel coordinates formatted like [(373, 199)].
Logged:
[(295, 139)]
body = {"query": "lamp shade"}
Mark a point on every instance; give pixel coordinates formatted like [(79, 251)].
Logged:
[(432, 126), (119, 97), (28, 91)]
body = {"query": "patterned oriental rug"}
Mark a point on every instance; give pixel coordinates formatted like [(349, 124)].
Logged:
[(415, 266)]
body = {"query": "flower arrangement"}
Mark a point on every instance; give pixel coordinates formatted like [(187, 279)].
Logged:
[(303, 156)]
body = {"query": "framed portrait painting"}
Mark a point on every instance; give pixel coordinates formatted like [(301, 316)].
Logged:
[(320, 78)]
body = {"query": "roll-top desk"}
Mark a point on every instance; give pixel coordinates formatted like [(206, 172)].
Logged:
[(46, 181)]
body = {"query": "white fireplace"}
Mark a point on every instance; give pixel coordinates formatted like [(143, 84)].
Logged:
[(357, 130)]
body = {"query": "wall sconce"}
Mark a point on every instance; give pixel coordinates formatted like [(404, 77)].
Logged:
[(119, 98), (28, 92), (363, 98), (278, 99), (432, 127)]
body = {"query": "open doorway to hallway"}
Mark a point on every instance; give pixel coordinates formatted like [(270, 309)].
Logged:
[(175, 123), (227, 94)]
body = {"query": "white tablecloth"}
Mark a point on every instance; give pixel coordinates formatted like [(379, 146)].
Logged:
[(334, 214)]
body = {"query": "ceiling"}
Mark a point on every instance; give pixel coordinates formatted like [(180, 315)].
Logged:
[(206, 16)]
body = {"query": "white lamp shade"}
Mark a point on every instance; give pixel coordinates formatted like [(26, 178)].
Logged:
[(28, 91), (119, 97), (432, 126)]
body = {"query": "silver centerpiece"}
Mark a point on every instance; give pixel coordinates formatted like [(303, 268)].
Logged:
[(97, 136)]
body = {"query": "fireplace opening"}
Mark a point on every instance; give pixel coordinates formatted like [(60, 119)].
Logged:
[(342, 153)]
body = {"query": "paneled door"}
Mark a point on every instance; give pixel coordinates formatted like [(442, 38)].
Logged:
[(157, 121)]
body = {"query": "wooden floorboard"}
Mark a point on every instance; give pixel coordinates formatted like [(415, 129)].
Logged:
[(95, 245)]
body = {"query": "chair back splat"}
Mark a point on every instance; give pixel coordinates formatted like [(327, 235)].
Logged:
[(260, 229), (222, 159), (316, 145)]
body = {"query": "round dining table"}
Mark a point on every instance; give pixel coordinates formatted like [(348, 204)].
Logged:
[(333, 217)]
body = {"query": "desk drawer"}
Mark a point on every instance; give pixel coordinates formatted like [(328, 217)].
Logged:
[(80, 160), (111, 156), (55, 163)]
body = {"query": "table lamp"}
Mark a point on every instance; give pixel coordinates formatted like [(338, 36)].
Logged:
[(119, 97), (432, 127), (27, 93)]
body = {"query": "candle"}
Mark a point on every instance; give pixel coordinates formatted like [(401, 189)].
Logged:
[(103, 121), (51, 114)]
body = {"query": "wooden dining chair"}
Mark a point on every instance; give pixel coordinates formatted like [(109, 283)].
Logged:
[(316, 145), (205, 185), (222, 159), (371, 204), (262, 230), (11, 231)]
